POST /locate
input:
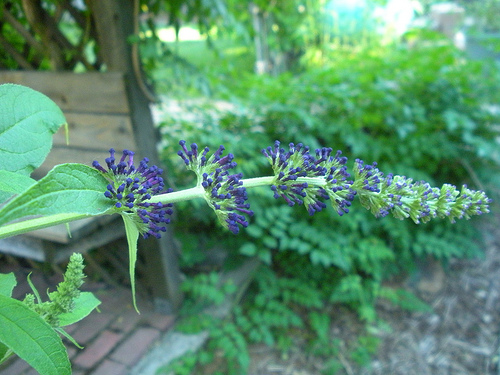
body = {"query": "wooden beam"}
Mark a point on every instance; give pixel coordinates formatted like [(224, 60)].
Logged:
[(91, 92)]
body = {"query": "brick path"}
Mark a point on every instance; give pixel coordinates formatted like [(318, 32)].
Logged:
[(114, 340)]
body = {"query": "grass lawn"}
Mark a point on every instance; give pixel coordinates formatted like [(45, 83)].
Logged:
[(200, 67)]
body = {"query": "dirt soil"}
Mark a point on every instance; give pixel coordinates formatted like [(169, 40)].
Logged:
[(460, 336)]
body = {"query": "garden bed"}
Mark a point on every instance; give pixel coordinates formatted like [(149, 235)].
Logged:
[(460, 337)]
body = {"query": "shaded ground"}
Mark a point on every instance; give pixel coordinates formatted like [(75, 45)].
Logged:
[(461, 335)]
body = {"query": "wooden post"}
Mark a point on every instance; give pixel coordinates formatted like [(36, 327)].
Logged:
[(114, 21)]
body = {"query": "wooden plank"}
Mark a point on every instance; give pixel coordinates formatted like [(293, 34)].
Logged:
[(45, 251), (96, 131), (82, 92), (25, 247), (98, 238), (59, 155), (77, 229)]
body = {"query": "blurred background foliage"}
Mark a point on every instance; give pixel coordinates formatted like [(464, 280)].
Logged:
[(371, 78)]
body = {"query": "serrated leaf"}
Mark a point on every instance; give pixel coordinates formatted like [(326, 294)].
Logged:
[(248, 249), (28, 119), (406, 300), (7, 283), (265, 257), (84, 305), (67, 188), (31, 338), (255, 231), (270, 242), (319, 257), (132, 237)]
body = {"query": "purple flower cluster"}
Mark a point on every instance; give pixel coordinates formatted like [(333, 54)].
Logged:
[(223, 191), (131, 187), (303, 178)]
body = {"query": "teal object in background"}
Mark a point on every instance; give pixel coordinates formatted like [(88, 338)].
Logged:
[(356, 17)]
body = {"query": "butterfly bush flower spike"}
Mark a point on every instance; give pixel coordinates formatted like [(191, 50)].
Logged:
[(223, 191), (303, 178), (368, 183), (131, 187), (419, 201)]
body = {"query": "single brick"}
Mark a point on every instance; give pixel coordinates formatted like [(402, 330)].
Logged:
[(126, 321), (98, 349), (135, 346), (108, 367), (72, 350), (30, 371), (159, 321), (90, 327), (111, 298)]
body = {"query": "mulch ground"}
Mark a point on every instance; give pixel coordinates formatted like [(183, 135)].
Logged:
[(460, 336)]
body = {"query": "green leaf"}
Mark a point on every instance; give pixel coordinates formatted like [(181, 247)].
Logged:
[(13, 183), (68, 336), (84, 305), (4, 352), (28, 119), (68, 188), (406, 300), (248, 249), (31, 338), (7, 283), (132, 237), (34, 289)]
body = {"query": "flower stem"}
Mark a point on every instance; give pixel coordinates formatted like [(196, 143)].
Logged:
[(199, 192), (179, 196), (270, 180), (258, 181)]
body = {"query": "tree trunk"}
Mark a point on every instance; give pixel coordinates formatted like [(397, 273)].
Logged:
[(263, 63)]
